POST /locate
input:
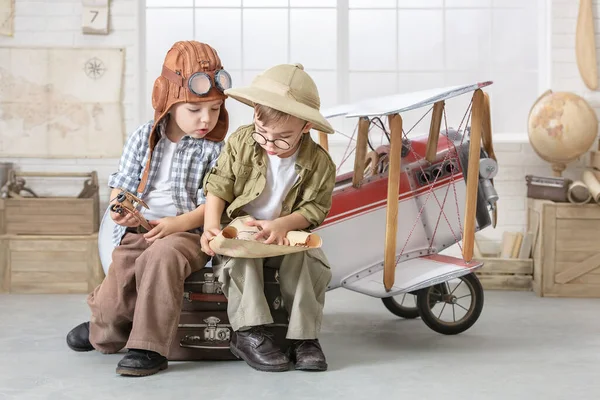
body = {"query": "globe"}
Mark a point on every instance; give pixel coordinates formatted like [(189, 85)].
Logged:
[(562, 126)]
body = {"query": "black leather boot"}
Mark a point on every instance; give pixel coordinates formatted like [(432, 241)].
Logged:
[(308, 355), (79, 338), (257, 348), (141, 363)]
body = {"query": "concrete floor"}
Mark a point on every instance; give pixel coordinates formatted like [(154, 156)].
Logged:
[(522, 347)]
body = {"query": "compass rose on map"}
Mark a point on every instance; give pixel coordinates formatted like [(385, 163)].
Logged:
[(94, 68)]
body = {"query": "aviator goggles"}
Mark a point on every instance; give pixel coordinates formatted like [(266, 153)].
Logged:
[(201, 83)]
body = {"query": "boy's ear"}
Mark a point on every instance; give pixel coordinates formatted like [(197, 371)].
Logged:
[(307, 127)]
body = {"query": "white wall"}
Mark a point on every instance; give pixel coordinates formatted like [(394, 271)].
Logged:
[(57, 23), (518, 159)]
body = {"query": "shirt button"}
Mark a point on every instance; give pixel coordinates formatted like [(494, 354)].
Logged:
[(257, 194), (260, 163)]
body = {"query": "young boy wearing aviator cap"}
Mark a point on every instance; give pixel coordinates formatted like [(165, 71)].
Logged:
[(138, 304), (274, 171)]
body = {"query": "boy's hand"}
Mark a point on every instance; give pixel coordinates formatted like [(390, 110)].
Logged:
[(208, 235), (163, 227), (274, 231), (126, 219)]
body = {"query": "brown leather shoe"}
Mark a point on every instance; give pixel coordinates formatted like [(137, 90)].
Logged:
[(257, 348), (308, 355)]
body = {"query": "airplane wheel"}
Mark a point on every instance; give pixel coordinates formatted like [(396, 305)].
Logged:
[(451, 307), (403, 307)]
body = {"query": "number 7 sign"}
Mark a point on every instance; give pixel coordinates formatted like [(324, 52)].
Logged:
[(95, 16)]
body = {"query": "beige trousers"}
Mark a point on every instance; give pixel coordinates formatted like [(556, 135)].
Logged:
[(303, 279), (138, 304)]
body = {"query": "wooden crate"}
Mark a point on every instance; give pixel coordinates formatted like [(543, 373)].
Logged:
[(53, 215), (505, 273), (566, 252), (49, 264)]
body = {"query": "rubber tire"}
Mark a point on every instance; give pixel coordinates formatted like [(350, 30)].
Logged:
[(432, 322), (398, 310)]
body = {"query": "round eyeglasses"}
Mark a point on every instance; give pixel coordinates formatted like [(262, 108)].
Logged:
[(279, 143)]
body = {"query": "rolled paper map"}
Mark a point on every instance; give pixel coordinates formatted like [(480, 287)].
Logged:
[(592, 183), (237, 240), (578, 193)]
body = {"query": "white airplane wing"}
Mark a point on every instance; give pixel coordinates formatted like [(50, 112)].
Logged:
[(411, 275), (398, 103)]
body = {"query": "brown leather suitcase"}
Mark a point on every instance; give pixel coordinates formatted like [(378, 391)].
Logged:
[(204, 331)]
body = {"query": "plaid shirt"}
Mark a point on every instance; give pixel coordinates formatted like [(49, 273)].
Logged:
[(192, 159)]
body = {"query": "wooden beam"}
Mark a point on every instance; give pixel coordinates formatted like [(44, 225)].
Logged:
[(324, 140), (361, 152), (434, 131), (391, 226), (473, 176)]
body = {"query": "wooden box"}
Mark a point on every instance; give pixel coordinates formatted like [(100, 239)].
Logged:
[(53, 215), (49, 264), (505, 273), (566, 248)]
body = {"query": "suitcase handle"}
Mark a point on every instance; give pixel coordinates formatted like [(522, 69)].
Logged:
[(212, 298)]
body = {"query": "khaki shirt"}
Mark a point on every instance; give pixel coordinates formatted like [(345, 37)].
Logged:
[(240, 176)]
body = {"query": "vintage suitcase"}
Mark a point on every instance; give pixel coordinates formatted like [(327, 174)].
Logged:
[(546, 188), (204, 331)]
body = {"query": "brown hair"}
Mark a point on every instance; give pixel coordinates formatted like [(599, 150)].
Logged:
[(268, 115)]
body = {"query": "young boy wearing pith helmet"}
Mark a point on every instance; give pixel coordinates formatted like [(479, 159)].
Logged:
[(274, 171), (138, 304)]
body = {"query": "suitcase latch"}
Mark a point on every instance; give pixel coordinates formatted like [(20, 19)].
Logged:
[(211, 285)]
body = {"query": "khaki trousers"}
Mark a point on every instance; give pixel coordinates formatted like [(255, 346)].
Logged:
[(138, 304), (303, 279)]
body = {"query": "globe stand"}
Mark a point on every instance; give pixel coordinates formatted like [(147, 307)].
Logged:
[(557, 169)]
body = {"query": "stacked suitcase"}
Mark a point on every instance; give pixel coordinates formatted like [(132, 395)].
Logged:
[(204, 331)]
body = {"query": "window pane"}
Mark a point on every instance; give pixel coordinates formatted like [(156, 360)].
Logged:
[(265, 3), (420, 3), (420, 39), (372, 4), (468, 3), (169, 3), (327, 85), (515, 4), (510, 112), (315, 47), (227, 42), (265, 38), (512, 26), (164, 27), (221, 3), (372, 40), (365, 85), (313, 3), (468, 39)]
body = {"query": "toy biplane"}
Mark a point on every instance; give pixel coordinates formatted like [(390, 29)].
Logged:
[(405, 202)]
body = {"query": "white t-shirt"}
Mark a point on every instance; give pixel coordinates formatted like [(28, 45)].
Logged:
[(281, 176), (160, 196)]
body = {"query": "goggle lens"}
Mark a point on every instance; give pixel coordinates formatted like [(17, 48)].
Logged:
[(200, 83)]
